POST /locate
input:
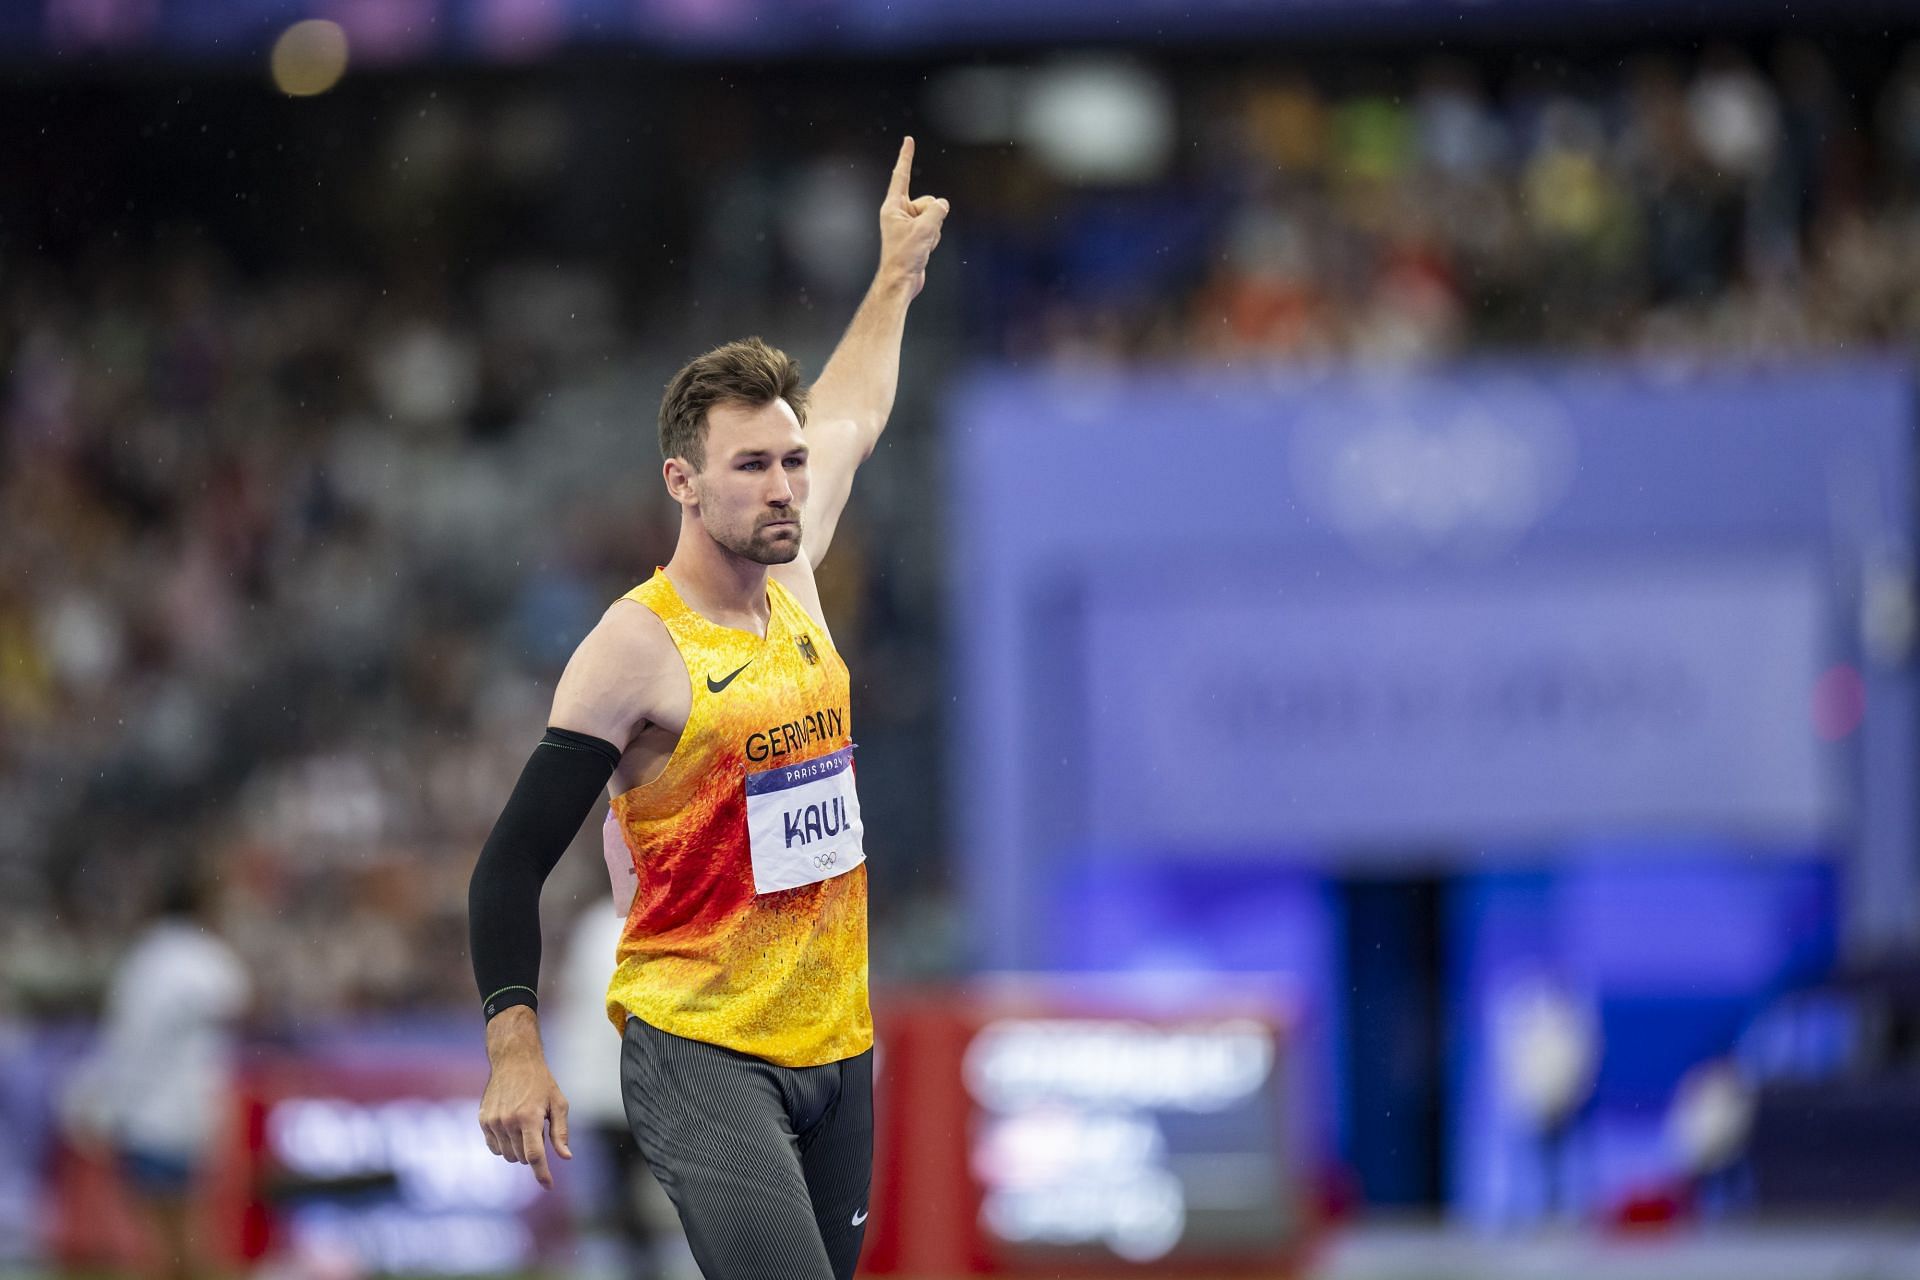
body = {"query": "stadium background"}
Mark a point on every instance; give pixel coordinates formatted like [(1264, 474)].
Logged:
[(1392, 563)]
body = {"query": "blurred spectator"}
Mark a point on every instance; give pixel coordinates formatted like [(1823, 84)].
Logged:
[(628, 1225), (155, 1094)]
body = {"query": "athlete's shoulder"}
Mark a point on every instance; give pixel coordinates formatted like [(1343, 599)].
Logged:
[(656, 594), (623, 675), (631, 629)]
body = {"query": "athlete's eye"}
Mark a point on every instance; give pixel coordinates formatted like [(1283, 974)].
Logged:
[(752, 466), (794, 464)]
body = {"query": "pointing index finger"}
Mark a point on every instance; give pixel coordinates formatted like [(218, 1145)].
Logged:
[(902, 169), (535, 1145)]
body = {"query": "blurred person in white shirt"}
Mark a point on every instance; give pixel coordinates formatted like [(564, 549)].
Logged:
[(628, 1227), (156, 1092)]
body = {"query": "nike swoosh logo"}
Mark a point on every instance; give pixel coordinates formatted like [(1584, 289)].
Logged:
[(859, 1217), (717, 686)]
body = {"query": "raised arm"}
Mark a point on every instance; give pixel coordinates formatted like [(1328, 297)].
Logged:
[(853, 395), (604, 698)]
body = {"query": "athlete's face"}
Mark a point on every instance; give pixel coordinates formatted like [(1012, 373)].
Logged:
[(750, 493)]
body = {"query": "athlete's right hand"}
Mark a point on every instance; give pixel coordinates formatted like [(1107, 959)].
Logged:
[(522, 1101)]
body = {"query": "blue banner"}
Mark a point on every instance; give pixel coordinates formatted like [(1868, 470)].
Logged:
[(1358, 618), (1261, 709)]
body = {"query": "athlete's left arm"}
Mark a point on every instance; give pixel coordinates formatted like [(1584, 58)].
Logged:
[(850, 401)]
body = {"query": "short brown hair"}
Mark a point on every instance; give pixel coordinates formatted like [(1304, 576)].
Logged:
[(747, 372)]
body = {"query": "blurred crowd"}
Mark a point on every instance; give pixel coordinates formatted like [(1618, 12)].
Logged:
[(290, 569), (1718, 202), (295, 545), (247, 622)]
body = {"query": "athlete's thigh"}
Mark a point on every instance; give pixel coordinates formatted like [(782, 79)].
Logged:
[(713, 1125), (837, 1158)]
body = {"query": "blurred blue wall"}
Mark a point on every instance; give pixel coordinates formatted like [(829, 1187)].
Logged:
[(1592, 647)]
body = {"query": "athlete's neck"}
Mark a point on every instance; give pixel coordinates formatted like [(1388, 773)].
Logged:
[(717, 584)]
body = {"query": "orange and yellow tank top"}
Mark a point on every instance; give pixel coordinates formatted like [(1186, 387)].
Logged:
[(748, 924)]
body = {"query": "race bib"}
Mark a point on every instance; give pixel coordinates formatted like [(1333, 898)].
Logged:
[(803, 822)]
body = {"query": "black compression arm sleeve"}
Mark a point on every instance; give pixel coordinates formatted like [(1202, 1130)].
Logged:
[(553, 797)]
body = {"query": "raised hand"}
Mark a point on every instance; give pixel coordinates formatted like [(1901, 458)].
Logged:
[(909, 227)]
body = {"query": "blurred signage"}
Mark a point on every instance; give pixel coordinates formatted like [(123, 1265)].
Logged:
[(363, 1155), (1668, 695), (354, 1151), (1126, 1136), (440, 1201), (1024, 1128)]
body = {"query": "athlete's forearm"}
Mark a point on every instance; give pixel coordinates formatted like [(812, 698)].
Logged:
[(863, 373), (853, 396), (554, 795)]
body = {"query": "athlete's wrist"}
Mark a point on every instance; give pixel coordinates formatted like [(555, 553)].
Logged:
[(894, 281), (512, 1031)]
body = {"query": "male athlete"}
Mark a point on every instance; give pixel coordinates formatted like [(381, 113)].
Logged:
[(711, 703)]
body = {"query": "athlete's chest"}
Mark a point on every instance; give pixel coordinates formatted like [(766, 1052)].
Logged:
[(760, 760), (771, 697), (765, 699)]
